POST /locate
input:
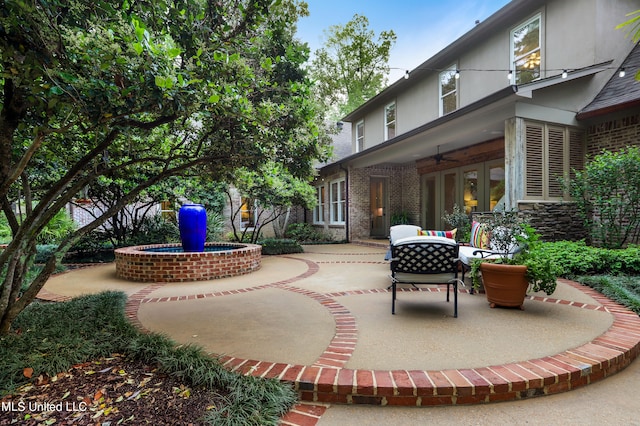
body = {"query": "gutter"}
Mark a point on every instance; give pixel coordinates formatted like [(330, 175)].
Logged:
[(346, 200), (494, 97)]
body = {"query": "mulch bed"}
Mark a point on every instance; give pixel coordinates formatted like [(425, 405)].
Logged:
[(108, 392)]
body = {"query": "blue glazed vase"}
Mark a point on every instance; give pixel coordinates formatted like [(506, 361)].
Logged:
[(192, 221)]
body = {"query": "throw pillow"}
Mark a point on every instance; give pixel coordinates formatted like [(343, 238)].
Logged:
[(479, 235), (446, 234)]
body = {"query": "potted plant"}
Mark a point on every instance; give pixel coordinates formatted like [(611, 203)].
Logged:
[(515, 265)]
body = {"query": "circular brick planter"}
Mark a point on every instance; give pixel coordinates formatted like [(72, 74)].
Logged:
[(224, 260)]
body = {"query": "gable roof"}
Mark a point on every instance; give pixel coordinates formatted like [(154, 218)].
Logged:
[(504, 17), (619, 92)]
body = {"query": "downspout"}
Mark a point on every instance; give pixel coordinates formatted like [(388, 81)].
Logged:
[(346, 200)]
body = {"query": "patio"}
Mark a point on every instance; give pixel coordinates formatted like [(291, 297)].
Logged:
[(322, 320)]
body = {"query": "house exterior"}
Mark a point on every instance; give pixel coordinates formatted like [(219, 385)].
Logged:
[(493, 121)]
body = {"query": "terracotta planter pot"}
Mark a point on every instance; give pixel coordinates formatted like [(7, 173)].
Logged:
[(505, 285)]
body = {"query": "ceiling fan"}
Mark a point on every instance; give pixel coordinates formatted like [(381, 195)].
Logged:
[(441, 157)]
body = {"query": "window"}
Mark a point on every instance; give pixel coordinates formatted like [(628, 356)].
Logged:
[(318, 210), (551, 153), (448, 91), (390, 121), (247, 213), (525, 51), (360, 136), (338, 204)]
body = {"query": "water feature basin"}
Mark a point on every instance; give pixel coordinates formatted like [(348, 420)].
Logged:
[(169, 263)]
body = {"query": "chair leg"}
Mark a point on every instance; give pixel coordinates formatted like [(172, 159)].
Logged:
[(455, 299), (393, 298)]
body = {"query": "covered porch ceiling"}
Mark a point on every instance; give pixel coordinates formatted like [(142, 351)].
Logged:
[(481, 121)]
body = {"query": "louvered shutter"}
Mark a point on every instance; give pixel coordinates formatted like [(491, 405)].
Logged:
[(556, 161), (534, 161)]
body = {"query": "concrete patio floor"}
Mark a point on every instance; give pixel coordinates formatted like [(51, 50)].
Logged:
[(322, 320)]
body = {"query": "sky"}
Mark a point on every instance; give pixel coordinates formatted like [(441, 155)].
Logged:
[(422, 27)]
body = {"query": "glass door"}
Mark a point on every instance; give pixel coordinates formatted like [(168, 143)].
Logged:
[(378, 207)]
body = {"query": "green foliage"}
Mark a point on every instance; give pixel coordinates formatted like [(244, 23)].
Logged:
[(460, 220), (576, 258), (120, 97), (153, 230), (5, 230), (351, 66), (275, 191), (624, 290), (58, 228), (400, 218), (56, 336), (306, 233), (279, 246), (607, 193), (215, 225), (508, 232)]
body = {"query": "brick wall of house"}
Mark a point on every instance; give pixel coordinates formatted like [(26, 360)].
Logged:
[(613, 133), (403, 188)]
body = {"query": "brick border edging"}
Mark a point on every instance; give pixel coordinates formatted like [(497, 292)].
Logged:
[(605, 355), (319, 383)]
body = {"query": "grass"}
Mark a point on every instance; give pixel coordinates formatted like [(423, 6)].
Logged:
[(51, 337), (623, 289)]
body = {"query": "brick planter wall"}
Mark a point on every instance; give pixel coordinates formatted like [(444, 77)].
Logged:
[(134, 264)]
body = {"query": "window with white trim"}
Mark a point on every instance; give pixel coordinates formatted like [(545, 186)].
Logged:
[(526, 54), (390, 121), (337, 195), (448, 90), (360, 136), (318, 210)]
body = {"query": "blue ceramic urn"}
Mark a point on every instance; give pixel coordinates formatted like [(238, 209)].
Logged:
[(192, 221)]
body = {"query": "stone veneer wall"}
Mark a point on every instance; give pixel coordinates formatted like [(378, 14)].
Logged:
[(554, 221), (132, 263)]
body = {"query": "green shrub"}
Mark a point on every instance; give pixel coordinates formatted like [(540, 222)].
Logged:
[(153, 230), (55, 336), (280, 246), (400, 218), (624, 290), (5, 231), (44, 252), (57, 229), (305, 232), (577, 258), (607, 193)]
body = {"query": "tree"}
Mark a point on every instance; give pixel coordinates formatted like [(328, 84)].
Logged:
[(634, 31), (273, 192), (138, 92), (607, 194), (351, 67)]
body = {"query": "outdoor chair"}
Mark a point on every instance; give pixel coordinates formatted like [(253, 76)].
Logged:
[(397, 232), (425, 260)]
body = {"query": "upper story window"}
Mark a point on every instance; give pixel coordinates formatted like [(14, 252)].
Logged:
[(448, 90), (318, 210), (526, 55), (360, 136), (390, 121)]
